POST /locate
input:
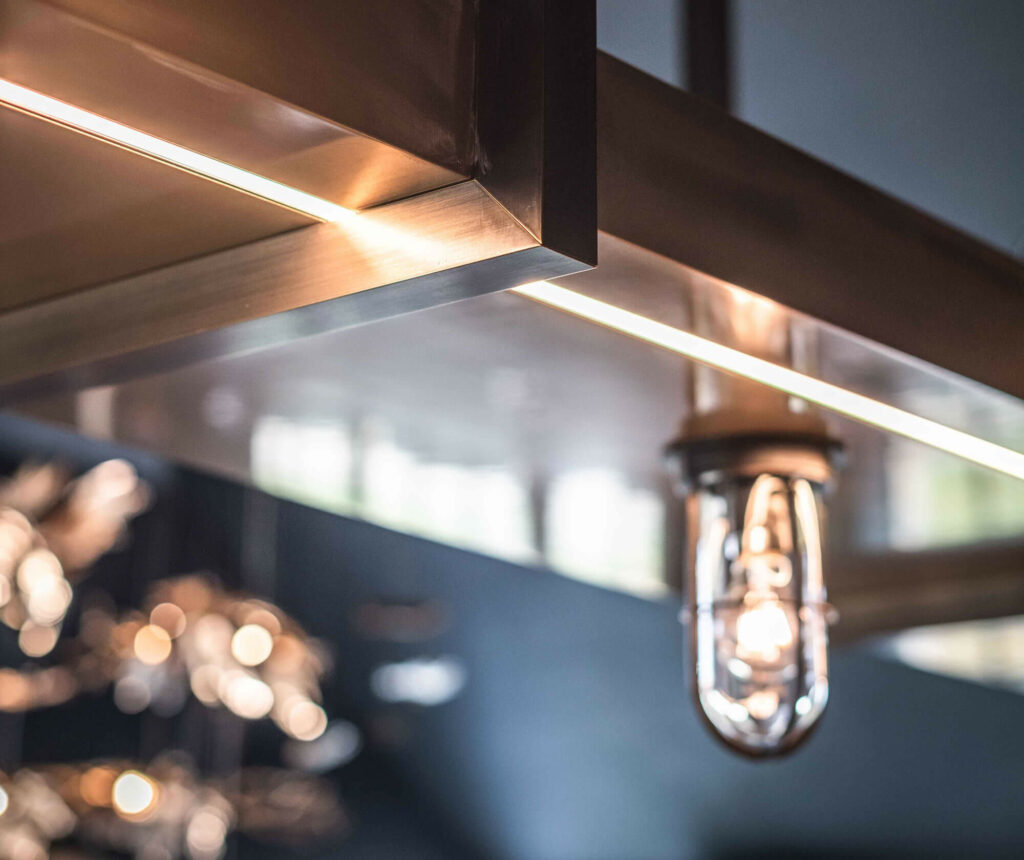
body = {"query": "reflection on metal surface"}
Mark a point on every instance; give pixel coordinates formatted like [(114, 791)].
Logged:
[(427, 250), (21, 98), (308, 461), (824, 394), (683, 179), (596, 526), (945, 502), (88, 212), (248, 96), (243, 95)]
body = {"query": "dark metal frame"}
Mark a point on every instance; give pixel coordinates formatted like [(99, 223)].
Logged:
[(680, 177)]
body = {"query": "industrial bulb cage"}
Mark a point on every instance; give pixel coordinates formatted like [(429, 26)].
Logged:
[(757, 606)]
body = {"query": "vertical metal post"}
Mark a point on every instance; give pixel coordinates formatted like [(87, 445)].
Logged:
[(708, 51)]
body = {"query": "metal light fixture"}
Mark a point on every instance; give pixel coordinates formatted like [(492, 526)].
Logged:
[(754, 464), (758, 614)]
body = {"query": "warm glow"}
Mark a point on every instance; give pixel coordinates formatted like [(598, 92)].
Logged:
[(97, 786), (134, 795), (206, 832), (264, 618), (152, 645), (213, 634), (37, 640), (251, 644), (762, 705), (49, 600), (762, 631), (37, 104), (205, 683), (247, 696), (38, 570), (170, 617), (824, 394), (304, 720)]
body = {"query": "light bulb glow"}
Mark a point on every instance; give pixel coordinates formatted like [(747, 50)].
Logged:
[(824, 394), (152, 645), (134, 795), (759, 645), (29, 101), (252, 644), (763, 631)]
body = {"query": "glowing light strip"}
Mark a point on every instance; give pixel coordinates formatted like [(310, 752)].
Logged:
[(824, 394), (23, 99)]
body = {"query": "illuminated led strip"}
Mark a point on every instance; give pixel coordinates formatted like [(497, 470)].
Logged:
[(824, 394), (31, 102)]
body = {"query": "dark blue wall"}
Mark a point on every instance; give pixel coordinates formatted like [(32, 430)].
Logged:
[(574, 736)]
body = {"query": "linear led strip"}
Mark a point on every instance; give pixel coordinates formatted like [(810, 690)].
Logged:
[(29, 101), (824, 394)]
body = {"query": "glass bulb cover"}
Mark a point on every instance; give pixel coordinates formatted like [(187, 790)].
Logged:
[(759, 640)]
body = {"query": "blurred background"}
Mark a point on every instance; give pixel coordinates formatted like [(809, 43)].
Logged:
[(479, 706)]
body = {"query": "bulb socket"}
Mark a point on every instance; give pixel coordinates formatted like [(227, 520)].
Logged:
[(705, 461)]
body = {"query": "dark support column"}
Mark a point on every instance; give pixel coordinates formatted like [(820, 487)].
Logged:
[(708, 48)]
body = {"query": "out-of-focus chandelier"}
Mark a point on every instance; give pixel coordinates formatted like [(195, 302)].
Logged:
[(755, 466), (163, 809), (230, 650), (51, 531)]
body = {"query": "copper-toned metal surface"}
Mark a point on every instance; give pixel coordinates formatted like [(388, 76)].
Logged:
[(316, 101), (77, 212), (424, 247), (682, 178), (125, 79), (885, 591), (396, 71), (536, 104)]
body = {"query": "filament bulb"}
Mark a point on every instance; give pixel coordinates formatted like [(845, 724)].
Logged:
[(759, 641), (763, 630)]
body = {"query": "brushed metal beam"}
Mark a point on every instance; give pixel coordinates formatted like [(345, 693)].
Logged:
[(386, 107), (885, 591), (679, 177), (332, 134), (399, 72), (416, 253)]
